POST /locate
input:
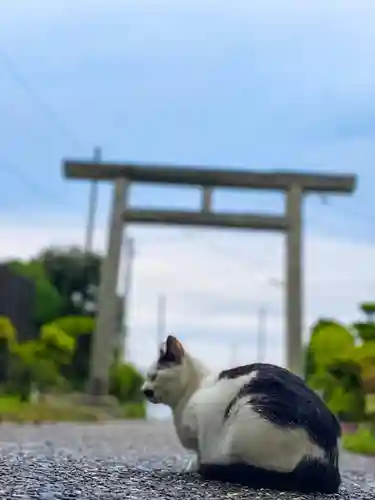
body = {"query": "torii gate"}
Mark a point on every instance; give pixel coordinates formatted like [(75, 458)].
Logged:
[(294, 185)]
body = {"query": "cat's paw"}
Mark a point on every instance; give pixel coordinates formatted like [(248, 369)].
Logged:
[(193, 465)]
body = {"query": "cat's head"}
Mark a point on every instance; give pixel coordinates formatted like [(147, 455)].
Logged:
[(168, 376)]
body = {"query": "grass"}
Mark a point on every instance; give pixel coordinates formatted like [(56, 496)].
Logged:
[(362, 441), (12, 409)]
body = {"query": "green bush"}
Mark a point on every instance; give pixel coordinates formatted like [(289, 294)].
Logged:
[(55, 340), (335, 371), (79, 328), (76, 325), (348, 405), (362, 441), (329, 342), (29, 367), (134, 410), (368, 308), (7, 338), (48, 300), (365, 331), (7, 330), (125, 383)]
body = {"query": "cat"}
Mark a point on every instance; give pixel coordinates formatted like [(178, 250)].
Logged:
[(257, 425)]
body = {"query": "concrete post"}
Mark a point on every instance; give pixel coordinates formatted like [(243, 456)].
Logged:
[(128, 265), (294, 273), (106, 321)]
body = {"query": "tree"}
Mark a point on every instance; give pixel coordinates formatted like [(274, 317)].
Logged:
[(79, 328), (7, 339), (48, 300), (75, 274), (368, 308)]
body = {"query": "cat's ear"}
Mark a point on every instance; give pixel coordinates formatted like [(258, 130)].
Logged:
[(172, 351)]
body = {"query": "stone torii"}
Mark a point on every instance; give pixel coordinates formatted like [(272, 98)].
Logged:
[(294, 185)]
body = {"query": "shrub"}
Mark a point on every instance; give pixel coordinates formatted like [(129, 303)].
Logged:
[(349, 406), (56, 344), (365, 331), (362, 441), (329, 342), (368, 308), (29, 367), (79, 328), (7, 338), (48, 300), (125, 382), (7, 330), (76, 325), (134, 410), (335, 370)]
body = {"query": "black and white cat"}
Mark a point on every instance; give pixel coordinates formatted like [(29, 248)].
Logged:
[(257, 425)]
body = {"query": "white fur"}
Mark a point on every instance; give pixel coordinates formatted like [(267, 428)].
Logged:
[(198, 401)]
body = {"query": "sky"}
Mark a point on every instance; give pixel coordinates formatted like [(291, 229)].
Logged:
[(259, 85)]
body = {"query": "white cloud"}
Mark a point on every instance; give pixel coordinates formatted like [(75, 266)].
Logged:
[(215, 283)]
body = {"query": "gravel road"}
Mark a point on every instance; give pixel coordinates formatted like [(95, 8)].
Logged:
[(131, 460)]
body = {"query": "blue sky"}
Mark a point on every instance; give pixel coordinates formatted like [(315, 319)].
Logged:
[(261, 84)]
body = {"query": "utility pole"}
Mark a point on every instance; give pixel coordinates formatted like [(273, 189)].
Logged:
[(93, 205), (123, 288), (233, 354), (161, 320), (261, 334)]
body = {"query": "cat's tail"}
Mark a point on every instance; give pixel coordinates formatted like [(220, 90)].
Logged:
[(310, 476)]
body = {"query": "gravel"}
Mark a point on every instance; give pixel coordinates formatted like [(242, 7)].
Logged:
[(131, 460)]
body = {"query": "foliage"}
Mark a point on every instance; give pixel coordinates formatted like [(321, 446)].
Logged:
[(75, 274), (48, 300), (125, 382), (329, 342), (347, 404), (310, 362), (133, 410), (365, 331), (79, 328), (7, 330), (30, 367), (57, 344), (336, 373), (66, 282), (7, 338), (13, 409), (368, 308), (76, 325), (362, 441)]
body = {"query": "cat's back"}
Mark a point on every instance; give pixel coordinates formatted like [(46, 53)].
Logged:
[(215, 393), (284, 399)]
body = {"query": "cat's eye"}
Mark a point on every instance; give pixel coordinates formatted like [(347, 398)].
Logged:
[(152, 377)]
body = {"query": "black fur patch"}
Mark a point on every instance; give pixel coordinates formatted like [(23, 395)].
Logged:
[(310, 476), (284, 399), (238, 371)]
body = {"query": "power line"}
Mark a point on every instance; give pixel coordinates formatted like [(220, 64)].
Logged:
[(24, 82), (34, 186), (32, 91), (51, 114)]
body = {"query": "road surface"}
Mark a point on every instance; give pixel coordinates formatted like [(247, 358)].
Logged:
[(130, 460)]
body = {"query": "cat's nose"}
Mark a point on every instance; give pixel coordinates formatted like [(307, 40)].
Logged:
[(149, 393)]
